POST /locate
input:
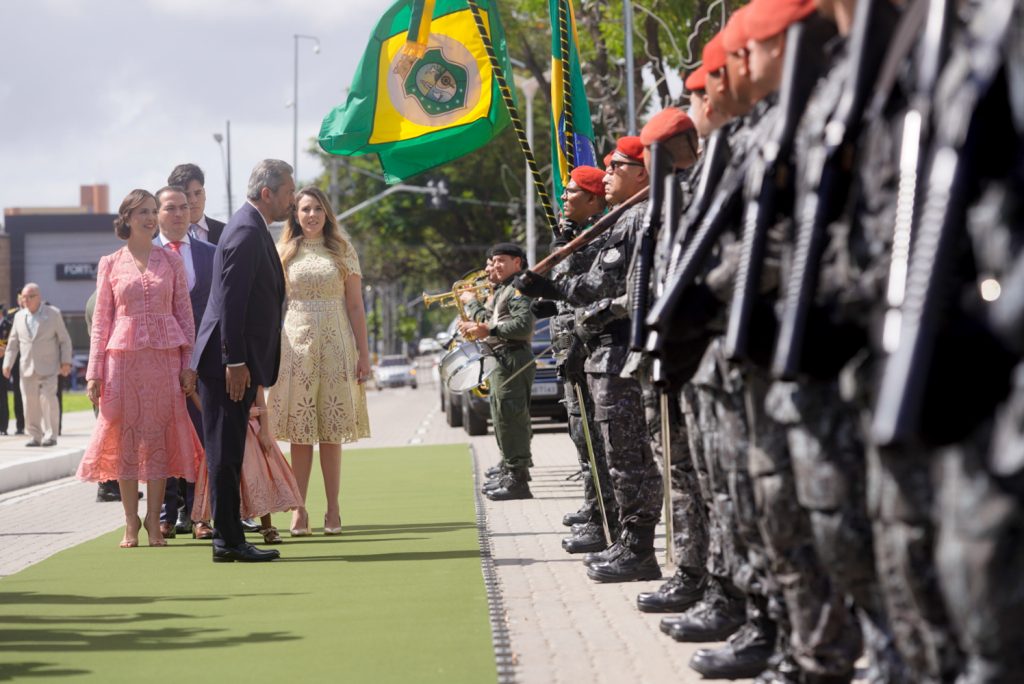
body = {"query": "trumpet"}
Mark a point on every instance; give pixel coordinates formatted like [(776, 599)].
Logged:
[(476, 282)]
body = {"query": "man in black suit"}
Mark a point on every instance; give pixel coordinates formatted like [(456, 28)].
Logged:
[(173, 220), (193, 180), (238, 347)]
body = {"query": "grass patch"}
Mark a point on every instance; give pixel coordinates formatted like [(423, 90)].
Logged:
[(72, 401), (398, 597)]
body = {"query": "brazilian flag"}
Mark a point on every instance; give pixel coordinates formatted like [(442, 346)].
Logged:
[(570, 111), (424, 93)]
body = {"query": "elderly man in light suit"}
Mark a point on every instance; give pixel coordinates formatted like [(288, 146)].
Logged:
[(41, 338)]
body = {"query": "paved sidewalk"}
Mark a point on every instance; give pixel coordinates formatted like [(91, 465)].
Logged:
[(562, 626), (22, 466)]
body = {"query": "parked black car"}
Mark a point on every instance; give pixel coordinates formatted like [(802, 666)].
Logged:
[(472, 412)]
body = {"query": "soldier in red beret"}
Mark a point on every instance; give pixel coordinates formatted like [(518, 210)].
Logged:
[(734, 42), (619, 412), (582, 204), (674, 130)]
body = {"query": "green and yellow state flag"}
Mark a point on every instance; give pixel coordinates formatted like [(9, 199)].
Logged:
[(424, 93)]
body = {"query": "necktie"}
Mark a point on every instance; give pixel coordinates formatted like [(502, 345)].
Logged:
[(176, 246), (193, 230)]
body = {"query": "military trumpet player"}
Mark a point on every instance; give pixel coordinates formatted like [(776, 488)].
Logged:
[(505, 324)]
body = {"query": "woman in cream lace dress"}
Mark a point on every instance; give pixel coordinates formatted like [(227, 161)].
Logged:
[(320, 396)]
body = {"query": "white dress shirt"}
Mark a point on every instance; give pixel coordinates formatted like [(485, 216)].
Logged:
[(186, 256), (200, 230)]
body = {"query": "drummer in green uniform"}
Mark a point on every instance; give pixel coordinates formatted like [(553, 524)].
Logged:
[(506, 325)]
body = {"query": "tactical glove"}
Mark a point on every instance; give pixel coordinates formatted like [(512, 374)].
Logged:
[(537, 286)]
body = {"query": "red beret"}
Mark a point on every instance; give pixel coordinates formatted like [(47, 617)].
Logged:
[(668, 123), (714, 54), (734, 35), (697, 79), (589, 178), (766, 18), (608, 158), (631, 147)]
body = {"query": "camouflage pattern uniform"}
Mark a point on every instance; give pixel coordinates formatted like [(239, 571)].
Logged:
[(827, 452), (822, 639), (570, 354), (618, 403)]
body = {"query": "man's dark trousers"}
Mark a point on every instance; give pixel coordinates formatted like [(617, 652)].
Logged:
[(224, 424)]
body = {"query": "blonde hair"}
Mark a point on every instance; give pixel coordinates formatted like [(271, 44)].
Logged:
[(336, 241)]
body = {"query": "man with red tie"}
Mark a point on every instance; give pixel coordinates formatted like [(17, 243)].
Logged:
[(173, 219)]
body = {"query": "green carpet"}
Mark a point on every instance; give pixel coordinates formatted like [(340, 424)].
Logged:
[(399, 597)]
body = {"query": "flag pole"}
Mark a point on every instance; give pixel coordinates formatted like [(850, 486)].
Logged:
[(563, 42), (513, 112)]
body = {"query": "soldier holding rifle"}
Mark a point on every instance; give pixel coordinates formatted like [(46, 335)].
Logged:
[(618, 404)]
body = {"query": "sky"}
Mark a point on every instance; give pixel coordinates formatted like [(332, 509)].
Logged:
[(121, 91)]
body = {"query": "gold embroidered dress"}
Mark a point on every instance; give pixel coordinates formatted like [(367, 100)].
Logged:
[(317, 397)]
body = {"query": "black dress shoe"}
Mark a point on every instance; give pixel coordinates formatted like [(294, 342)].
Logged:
[(679, 593), (243, 553), (183, 525), (629, 566), (705, 621), (250, 526), (48, 442), (108, 492), (746, 655), (589, 538), (32, 443)]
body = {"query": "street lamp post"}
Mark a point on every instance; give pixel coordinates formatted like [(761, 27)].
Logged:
[(295, 101), (225, 161), (529, 87)]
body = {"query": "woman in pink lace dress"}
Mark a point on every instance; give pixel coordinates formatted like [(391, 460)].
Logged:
[(142, 337)]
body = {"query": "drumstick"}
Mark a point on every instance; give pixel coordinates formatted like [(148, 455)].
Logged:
[(587, 236)]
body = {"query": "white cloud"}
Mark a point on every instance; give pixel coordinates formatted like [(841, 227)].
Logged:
[(120, 91)]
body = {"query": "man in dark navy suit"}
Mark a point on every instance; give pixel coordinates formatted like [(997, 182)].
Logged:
[(238, 347), (173, 221), (192, 179)]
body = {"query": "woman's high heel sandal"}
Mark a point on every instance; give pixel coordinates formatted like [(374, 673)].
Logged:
[(332, 531), (302, 531), (127, 543)]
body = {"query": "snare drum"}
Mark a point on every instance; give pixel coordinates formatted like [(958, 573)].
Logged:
[(467, 366)]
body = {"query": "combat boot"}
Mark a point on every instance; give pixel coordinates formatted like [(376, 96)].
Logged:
[(611, 553), (514, 485), (585, 513), (494, 471), (681, 591), (746, 654), (713, 618), (494, 482), (589, 538), (635, 563)]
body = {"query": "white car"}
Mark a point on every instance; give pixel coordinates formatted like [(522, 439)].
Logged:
[(394, 371)]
